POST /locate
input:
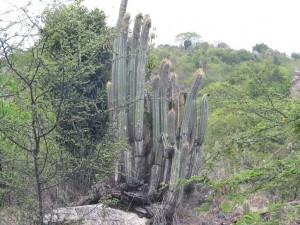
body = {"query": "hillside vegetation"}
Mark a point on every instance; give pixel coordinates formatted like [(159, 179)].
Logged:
[(58, 140), (252, 145)]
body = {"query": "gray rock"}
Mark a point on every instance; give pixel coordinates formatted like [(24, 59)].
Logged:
[(93, 215), (295, 85)]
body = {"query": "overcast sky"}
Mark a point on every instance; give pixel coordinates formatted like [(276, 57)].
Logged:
[(239, 23)]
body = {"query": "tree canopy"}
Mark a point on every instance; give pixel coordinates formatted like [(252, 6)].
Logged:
[(187, 39)]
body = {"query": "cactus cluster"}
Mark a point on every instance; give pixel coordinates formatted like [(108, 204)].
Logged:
[(178, 125)]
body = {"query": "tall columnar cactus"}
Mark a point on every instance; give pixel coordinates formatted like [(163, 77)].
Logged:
[(117, 54), (156, 152), (186, 146), (140, 158), (178, 125), (127, 91), (132, 73)]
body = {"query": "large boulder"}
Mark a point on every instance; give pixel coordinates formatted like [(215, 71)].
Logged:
[(295, 85), (93, 215)]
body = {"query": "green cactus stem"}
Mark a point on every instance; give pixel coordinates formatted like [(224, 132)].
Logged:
[(246, 208), (196, 154), (185, 132), (163, 91), (155, 137), (122, 73), (117, 53), (169, 141), (155, 116), (172, 90), (132, 74), (122, 12), (180, 109), (173, 151), (109, 100), (139, 104), (119, 120), (160, 120), (203, 121), (175, 169), (171, 126)]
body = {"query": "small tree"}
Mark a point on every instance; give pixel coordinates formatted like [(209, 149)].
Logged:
[(295, 55), (260, 48), (53, 73), (188, 39), (77, 40)]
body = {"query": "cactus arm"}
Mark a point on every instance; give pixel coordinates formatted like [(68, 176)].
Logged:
[(185, 132), (155, 117), (122, 12), (121, 92), (109, 100), (155, 170), (203, 121), (132, 74), (139, 105), (164, 73), (116, 53)]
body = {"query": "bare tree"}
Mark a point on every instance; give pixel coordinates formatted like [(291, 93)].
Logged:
[(41, 67)]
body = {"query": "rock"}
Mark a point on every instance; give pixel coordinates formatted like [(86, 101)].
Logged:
[(141, 210), (98, 190), (236, 217), (93, 215), (295, 86), (265, 216)]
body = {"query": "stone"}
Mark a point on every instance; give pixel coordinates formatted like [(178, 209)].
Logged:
[(93, 215), (295, 84)]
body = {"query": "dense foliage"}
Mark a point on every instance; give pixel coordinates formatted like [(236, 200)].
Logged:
[(53, 115), (85, 38), (80, 49), (253, 133), (54, 135)]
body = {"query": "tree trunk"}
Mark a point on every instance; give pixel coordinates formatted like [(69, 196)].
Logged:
[(38, 188)]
